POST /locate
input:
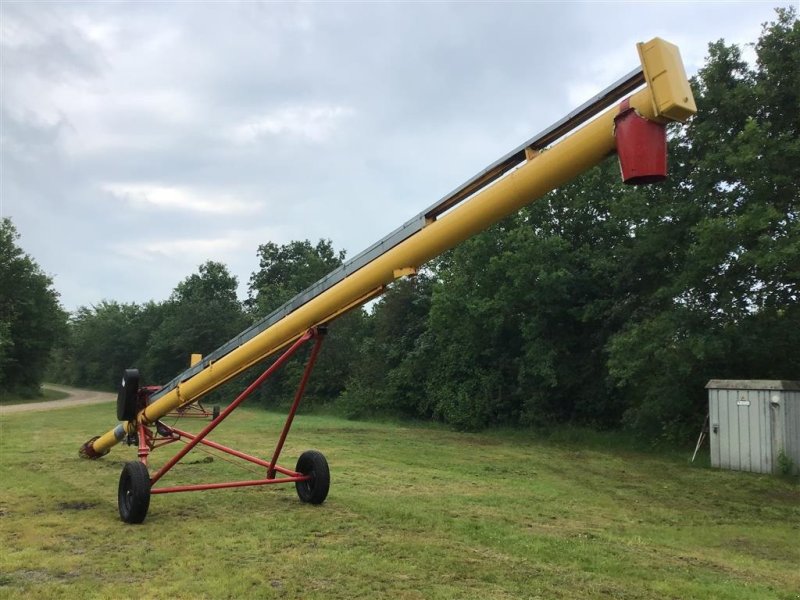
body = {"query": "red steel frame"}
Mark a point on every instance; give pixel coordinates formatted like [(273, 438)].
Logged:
[(149, 441), (195, 410)]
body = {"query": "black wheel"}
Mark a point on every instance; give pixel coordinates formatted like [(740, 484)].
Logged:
[(128, 395), (134, 492), (314, 490), (215, 411)]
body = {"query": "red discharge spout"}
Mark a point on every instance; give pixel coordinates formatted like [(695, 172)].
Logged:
[(641, 147)]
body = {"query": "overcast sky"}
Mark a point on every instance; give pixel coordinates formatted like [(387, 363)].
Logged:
[(142, 139)]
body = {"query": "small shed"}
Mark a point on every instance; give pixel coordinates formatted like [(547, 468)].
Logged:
[(752, 423)]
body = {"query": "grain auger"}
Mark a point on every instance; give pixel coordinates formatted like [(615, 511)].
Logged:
[(629, 118)]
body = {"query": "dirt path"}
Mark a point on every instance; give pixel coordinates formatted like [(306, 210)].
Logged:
[(77, 397)]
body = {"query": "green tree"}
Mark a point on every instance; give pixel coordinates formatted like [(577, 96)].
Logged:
[(729, 306), (523, 310), (388, 367), (284, 271), (202, 313), (336, 362), (104, 340), (31, 318), (602, 304)]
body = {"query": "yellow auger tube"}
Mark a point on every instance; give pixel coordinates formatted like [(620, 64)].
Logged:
[(542, 173)]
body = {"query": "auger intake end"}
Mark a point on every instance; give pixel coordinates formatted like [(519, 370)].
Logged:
[(88, 451)]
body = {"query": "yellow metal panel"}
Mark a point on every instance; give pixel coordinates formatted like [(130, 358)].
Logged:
[(666, 77), (196, 358)]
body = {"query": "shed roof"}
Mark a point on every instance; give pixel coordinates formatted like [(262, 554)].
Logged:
[(753, 384)]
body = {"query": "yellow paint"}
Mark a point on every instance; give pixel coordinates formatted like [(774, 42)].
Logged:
[(106, 441), (666, 78), (562, 162), (404, 272), (196, 358)]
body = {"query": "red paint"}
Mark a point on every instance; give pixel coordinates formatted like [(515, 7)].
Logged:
[(229, 484), (258, 461), (231, 407), (149, 440), (297, 397), (641, 147), (144, 443)]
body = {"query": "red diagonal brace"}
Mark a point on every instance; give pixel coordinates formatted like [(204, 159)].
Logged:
[(297, 397), (230, 408)]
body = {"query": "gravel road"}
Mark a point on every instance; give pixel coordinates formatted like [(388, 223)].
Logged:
[(77, 397)]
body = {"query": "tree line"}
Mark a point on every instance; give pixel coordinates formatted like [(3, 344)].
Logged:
[(600, 304)]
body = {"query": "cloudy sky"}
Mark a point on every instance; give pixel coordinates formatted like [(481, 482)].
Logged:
[(141, 139)]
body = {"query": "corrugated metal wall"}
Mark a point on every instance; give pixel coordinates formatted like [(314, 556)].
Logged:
[(749, 427), (741, 429), (791, 403)]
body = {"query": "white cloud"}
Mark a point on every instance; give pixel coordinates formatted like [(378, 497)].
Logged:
[(102, 32), (178, 199), (187, 250), (285, 121), (313, 123), (230, 245)]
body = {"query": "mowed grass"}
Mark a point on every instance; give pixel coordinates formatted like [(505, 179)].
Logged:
[(413, 512)]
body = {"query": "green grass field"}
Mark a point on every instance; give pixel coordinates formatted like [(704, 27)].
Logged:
[(45, 395), (413, 512)]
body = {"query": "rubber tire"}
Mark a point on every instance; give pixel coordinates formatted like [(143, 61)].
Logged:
[(128, 395), (133, 496), (315, 490)]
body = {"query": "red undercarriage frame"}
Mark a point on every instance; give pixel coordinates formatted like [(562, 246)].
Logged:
[(152, 437)]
